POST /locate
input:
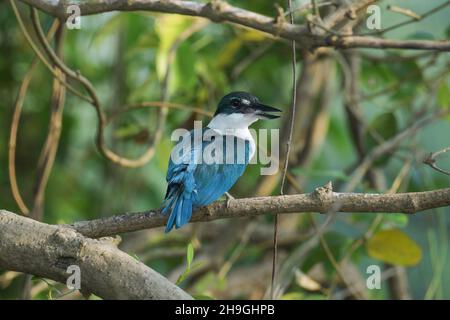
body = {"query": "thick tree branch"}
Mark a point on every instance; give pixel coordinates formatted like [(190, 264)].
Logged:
[(220, 11), (46, 250), (322, 200)]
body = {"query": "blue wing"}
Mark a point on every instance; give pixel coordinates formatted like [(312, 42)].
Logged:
[(194, 183)]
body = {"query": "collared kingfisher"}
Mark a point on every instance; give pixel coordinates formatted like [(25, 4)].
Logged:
[(195, 181)]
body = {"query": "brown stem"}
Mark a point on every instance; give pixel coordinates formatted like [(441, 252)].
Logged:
[(15, 127), (321, 200)]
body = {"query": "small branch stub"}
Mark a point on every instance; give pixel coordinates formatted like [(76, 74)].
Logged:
[(431, 160)]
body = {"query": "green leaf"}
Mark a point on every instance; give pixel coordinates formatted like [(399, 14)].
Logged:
[(168, 29), (376, 76), (421, 35), (337, 243), (163, 153), (229, 51), (184, 77), (381, 129), (301, 296), (293, 296), (315, 297), (443, 95), (127, 131), (181, 277), (331, 174), (399, 220), (108, 28), (189, 255), (189, 258), (50, 293), (227, 56), (202, 297), (395, 247), (210, 282)]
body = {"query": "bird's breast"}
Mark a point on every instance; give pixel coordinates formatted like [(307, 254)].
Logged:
[(239, 138)]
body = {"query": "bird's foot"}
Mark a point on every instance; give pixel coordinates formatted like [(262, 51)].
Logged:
[(229, 199)]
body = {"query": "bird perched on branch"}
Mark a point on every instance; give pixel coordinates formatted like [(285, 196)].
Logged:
[(208, 161)]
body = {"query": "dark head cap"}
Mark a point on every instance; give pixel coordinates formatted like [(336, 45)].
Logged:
[(245, 103)]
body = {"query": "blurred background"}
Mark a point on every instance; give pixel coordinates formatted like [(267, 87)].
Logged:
[(349, 102)]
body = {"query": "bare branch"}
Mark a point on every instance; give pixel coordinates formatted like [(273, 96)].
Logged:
[(47, 250), (378, 43), (321, 200), (220, 11), (406, 12)]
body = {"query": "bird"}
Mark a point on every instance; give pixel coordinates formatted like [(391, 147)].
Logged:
[(198, 178)]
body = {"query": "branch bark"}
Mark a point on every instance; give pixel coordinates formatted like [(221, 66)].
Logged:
[(46, 250), (220, 11), (323, 199)]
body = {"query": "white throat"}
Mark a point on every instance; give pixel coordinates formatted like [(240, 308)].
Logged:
[(235, 124), (222, 122)]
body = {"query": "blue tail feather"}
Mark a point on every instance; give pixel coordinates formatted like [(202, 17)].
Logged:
[(173, 214), (168, 204), (186, 212), (170, 222), (181, 212), (178, 211)]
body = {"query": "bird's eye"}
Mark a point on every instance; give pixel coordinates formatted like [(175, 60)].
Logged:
[(235, 103)]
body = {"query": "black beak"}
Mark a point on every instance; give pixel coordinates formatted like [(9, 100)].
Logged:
[(262, 111)]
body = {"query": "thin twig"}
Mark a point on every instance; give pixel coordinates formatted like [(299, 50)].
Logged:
[(13, 139), (52, 141), (431, 160), (409, 21), (389, 145), (406, 12), (315, 8), (288, 151)]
